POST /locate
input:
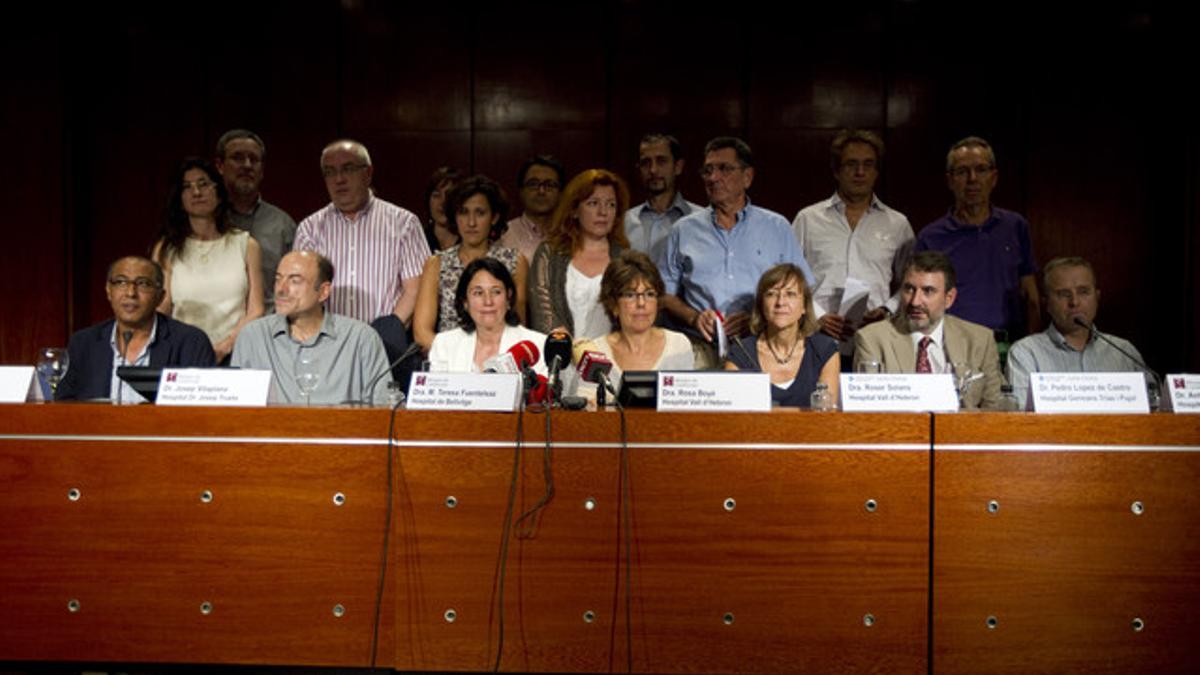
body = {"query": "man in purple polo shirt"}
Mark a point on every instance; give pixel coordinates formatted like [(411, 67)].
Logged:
[(989, 246)]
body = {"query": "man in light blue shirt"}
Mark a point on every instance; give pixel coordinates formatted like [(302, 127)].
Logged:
[(1067, 346), (714, 257), (660, 163)]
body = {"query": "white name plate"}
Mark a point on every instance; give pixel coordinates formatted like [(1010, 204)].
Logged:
[(898, 392), (1089, 393), (729, 391), (18, 385), (488, 392), (214, 386), (1183, 393)]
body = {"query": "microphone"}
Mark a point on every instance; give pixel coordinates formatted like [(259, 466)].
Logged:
[(1079, 321), (557, 353), (595, 367), (367, 398), (126, 336), (749, 359), (518, 359)]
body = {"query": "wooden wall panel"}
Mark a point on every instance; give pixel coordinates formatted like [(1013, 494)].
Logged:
[(1077, 120)]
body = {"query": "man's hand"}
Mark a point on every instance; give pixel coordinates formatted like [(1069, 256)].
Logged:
[(737, 325), (706, 323), (833, 325), (878, 314)]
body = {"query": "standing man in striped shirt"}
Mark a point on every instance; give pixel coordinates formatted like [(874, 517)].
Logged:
[(378, 248)]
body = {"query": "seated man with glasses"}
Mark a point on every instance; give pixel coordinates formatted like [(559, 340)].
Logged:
[(990, 247), (714, 257), (135, 336)]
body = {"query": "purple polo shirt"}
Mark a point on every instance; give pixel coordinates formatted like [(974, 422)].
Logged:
[(989, 261)]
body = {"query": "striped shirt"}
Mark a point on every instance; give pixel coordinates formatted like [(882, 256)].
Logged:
[(372, 255)]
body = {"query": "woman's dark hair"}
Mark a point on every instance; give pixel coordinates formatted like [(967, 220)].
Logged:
[(491, 191), (496, 269), (623, 273), (176, 226), (440, 176)]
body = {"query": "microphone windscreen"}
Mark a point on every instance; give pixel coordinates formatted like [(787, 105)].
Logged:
[(525, 352), (558, 343), (537, 393)]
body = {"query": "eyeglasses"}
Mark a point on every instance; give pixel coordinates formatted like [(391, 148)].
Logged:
[(343, 170), (722, 169), (547, 185), (199, 186), (789, 295), (244, 158), (140, 284), (635, 296), (855, 165), (964, 171)]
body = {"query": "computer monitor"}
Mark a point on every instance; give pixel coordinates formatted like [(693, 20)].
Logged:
[(143, 379), (639, 389)]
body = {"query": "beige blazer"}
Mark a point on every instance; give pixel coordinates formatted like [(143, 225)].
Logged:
[(889, 343)]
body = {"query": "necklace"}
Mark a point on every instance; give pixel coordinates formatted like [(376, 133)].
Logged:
[(792, 352)]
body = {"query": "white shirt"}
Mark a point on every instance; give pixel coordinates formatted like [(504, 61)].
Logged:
[(936, 349), (453, 351), (120, 388), (583, 299), (874, 251)]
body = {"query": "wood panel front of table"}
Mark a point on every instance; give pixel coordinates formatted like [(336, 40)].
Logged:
[(770, 542), (1066, 543)]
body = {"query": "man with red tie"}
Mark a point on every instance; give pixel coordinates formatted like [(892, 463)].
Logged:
[(922, 338)]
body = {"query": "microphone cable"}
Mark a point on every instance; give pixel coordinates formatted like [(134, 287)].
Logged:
[(387, 533), (527, 523), (506, 532), (625, 527)]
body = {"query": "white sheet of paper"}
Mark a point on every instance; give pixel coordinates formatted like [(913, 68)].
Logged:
[(487, 392), (854, 300), (722, 340), (214, 386), (1183, 392), (19, 384), (694, 391), (898, 392), (1089, 393)]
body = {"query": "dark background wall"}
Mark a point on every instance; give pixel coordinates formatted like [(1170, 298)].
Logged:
[(1086, 108)]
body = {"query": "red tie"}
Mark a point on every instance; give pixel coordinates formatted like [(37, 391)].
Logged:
[(923, 355)]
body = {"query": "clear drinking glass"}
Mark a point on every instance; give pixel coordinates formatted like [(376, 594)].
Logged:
[(52, 365), (870, 367), (307, 374)]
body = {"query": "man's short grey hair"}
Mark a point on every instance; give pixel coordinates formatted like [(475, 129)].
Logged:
[(236, 134), (971, 142), (740, 147), (357, 149), (1065, 261)]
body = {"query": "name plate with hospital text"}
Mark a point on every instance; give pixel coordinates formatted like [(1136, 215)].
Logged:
[(18, 385), (1183, 393), (728, 391), (214, 386), (1089, 393), (485, 392), (898, 392)]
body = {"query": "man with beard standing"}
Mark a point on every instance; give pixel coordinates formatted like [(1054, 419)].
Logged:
[(660, 163)]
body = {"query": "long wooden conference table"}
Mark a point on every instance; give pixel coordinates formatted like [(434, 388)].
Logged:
[(781, 542)]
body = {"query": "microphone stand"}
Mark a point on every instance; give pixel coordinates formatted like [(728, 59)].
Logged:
[(1157, 393)]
